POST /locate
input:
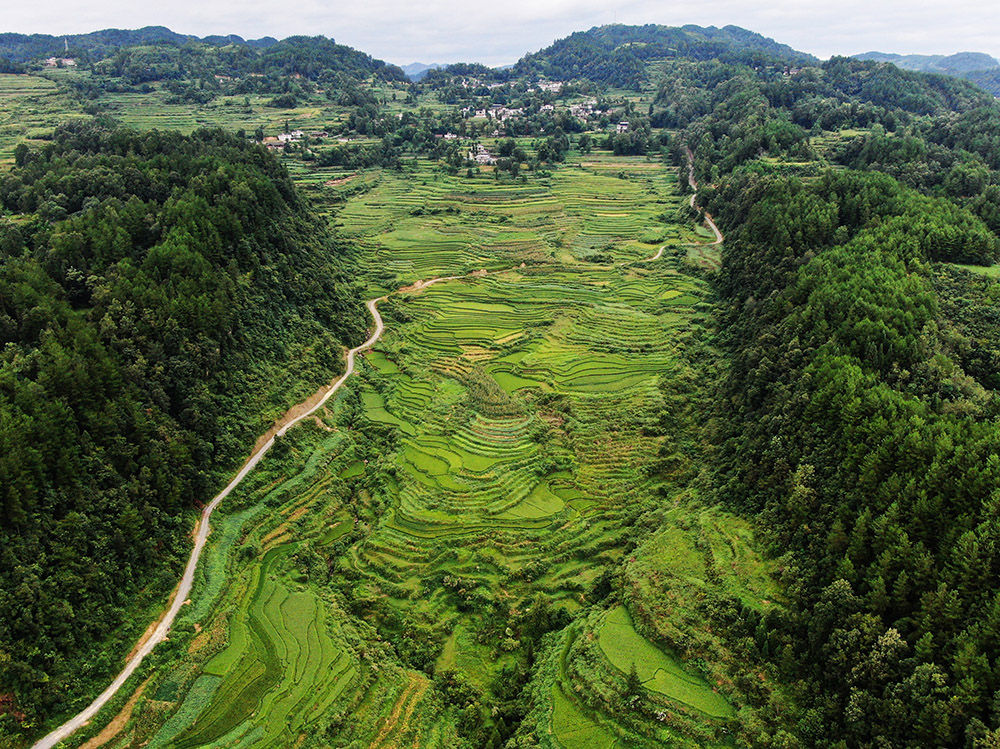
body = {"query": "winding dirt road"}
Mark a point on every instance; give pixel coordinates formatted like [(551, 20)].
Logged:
[(657, 256), (293, 417), (709, 221)]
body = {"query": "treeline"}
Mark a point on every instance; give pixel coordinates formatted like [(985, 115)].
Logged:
[(99, 44), (158, 294), (860, 427)]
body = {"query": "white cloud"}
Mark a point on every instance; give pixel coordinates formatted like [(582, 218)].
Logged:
[(500, 32)]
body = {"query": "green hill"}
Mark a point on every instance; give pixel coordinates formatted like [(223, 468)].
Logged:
[(978, 67), (162, 297), (617, 54)]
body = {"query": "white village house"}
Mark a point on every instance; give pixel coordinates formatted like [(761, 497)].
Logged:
[(480, 155)]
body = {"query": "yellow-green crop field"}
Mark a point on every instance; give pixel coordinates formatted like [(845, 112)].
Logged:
[(31, 107)]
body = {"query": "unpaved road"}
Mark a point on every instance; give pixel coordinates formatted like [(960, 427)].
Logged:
[(709, 221), (657, 256), (201, 536)]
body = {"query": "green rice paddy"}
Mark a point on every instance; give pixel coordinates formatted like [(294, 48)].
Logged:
[(659, 672), (31, 106), (493, 450)]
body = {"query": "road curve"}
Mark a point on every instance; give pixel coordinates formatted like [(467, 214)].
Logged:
[(657, 256), (187, 579)]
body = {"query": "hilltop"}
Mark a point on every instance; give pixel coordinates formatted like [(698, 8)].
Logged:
[(617, 54), (156, 53), (99, 44), (416, 71)]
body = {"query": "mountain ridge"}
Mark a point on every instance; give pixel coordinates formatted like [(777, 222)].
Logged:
[(20, 48), (977, 67), (617, 53), (957, 63)]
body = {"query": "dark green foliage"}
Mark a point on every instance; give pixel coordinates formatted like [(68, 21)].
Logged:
[(160, 285), (6, 66), (99, 44), (312, 57), (616, 55), (862, 427)]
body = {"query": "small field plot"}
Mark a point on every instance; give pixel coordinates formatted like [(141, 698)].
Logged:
[(990, 271), (659, 671)]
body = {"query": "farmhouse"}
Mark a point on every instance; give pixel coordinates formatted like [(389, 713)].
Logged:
[(622, 127), (480, 155), (501, 113)]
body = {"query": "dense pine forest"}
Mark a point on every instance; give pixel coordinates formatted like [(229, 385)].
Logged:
[(613, 481), (156, 292)]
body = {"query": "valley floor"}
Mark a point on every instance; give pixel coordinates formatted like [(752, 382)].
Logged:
[(493, 530)]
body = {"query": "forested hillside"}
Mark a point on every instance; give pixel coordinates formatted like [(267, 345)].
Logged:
[(617, 55), (863, 430), (311, 58), (859, 415), (980, 68), (196, 69), (99, 44), (161, 299)]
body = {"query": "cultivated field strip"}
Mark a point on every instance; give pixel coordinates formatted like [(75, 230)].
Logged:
[(491, 453)]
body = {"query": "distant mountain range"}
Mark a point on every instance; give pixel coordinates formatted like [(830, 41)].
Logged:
[(98, 44), (415, 71), (978, 67), (957, 64)]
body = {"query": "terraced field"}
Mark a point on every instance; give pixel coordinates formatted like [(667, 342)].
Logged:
[(158, 110), (30, 108), (387, 578)]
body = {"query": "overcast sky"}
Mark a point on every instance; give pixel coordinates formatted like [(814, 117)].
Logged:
[(497, 32)]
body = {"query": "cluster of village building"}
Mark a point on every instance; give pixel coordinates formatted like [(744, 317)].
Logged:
[(279, 141), (480, 155), (500, 112)]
